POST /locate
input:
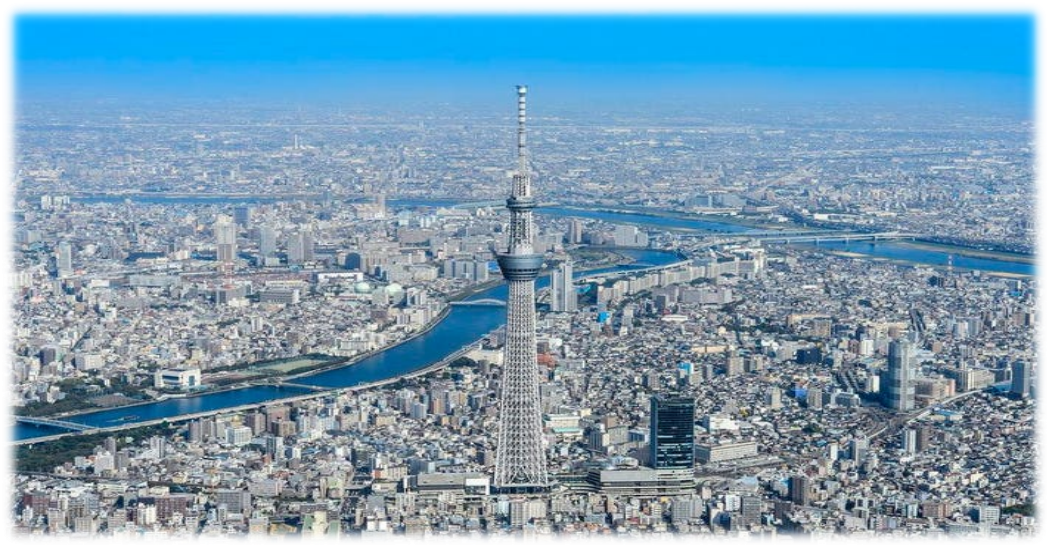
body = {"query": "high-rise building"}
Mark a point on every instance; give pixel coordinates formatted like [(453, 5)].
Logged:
[(242, 216), (520, 463), (64, 261), (267, 241), (1021, 385), (575, 231), (672, 432), (858, 448), (926, 436), (300, 247), (800, 490), (909, 440), (225, 239), (629, 236), (988, 514), (897, 386), (562, 291)]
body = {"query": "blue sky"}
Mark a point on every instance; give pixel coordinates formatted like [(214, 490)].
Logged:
[(977, 59)]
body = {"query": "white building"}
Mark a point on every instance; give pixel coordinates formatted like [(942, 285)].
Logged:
[(177, 378)]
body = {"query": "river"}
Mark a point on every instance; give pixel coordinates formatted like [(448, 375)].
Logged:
[(902, 252), (463, 325), (889, 250)]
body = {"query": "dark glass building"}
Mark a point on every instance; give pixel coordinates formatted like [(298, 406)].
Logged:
[(672, 432)]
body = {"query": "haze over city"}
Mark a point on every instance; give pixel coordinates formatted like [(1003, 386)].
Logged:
[(524, 276)]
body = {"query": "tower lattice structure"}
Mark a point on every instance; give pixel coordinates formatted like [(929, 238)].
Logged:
[(520, 462)]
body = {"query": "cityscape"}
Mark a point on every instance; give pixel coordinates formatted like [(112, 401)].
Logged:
[(441, 308)]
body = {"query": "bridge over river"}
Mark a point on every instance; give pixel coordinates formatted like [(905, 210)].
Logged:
[(817, 237), (72, 426), (490, 302)]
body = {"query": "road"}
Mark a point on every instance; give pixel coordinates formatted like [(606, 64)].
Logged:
[(899, 422)]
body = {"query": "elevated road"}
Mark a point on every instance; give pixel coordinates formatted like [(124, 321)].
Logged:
[(897, 423)]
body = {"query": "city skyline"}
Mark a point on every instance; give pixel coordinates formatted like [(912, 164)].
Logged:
[(762, 276)]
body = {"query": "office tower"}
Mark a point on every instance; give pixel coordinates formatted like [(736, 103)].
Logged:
[(858, 448), (242, 216), (672, 432), (520, 463), (926, 435), (275, 447), (988, 514), (65, 259), (300, 247), (267, 241), (307, 246), (562, 292), (629, 236), (750, 511), (1021, 379), (294, 248), (225, 239), (898, 384), (575, 231), (909, 441), (800, 490), (194, 433), (1039, 390)]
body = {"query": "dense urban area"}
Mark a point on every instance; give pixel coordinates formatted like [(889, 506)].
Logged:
[(167, 256)]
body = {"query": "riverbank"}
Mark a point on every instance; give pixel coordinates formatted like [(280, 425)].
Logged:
[(968, 251), (339, 363), (906, 262), (674, 214), (356, 359), (651, 220), (89, 436)]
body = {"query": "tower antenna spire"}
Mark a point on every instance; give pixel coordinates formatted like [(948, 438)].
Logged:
[(522, 150)]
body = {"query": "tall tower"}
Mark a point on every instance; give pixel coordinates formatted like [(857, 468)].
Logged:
[(898, 385), (520, 463)]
